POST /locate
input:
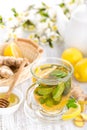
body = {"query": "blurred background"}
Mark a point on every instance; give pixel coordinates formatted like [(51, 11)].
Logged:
[(34, 19), (6, 5)]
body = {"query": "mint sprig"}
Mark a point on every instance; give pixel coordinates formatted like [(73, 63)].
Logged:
[(71, 103)]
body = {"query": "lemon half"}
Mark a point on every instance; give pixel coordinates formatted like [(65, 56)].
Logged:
[(12, 50)]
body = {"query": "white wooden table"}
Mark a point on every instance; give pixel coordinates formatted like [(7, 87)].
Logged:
[(18, 120)]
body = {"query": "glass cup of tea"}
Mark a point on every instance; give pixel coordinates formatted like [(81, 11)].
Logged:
[(47, 97)]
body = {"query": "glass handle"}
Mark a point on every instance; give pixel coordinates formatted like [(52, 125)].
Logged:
[(35, 105), (30, 88)]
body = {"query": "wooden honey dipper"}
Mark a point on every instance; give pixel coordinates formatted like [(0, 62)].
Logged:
[(4, 101)]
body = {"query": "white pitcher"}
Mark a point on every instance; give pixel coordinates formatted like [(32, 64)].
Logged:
[(74, 31)]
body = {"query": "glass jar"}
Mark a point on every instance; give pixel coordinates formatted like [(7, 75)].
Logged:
[(47, 97)]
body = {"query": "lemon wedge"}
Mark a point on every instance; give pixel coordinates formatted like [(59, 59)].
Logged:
[(12, 50), (72, 113)]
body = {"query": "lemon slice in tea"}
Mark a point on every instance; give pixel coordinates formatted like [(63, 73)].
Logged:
[(72, 113)]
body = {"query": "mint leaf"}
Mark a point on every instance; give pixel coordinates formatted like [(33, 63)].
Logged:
[(71, 103), (59, 73), (42, 100)]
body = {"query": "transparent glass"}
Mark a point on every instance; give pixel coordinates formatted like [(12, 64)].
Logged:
[(46, 99)]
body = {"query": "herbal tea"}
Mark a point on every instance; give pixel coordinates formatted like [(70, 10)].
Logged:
[(52, 97)]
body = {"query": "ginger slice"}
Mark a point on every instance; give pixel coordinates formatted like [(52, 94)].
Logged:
[(84, 116), (78, 121)]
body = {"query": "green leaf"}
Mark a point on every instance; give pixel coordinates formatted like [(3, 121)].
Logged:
[(42, 100), (14, 11), (30, 7), (71, 103), (62, 5), (66, 11), (50, 42), (67, 87), (72, 1), (43, 20), (49, 102), (44, 4), (58, 73), (28, 23), (1, 20), (44, 90), (45, 14), (57, 32), (41, 9), (57, 92)]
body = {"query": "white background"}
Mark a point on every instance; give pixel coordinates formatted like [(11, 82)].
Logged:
[(6, 5)]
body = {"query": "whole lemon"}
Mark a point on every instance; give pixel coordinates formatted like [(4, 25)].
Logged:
[(73, 55), (80, 70)]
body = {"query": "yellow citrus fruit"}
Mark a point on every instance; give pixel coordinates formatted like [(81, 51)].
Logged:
[(72, 55), (80, 70), (72, 113), (12, 50)]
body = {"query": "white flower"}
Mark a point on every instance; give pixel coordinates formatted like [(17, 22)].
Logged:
[(31, 36), (36, 40), (53, 36), (43, 39)]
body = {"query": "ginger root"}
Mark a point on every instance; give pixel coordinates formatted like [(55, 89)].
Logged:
[(11, 61), (78, 93), (9, 65), (5, 72)]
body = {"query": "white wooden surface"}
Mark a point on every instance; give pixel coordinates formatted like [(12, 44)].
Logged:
[(18, 120)]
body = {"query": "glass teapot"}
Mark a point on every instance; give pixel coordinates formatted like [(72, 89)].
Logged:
[(74, 30), (47, 97)]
